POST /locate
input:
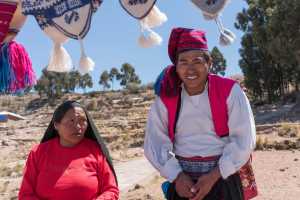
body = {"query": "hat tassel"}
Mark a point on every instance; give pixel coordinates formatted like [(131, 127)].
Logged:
[(86, 64), (60, 60), (149, 40), (226, 36), (154, 19)]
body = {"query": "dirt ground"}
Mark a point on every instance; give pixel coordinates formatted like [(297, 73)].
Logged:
[(277, 175)]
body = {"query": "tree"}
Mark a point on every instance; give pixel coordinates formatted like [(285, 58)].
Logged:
[(55, 84), (270, 47), (72, 81), (42, 85), (51, 84), (218, 62), (104, 78), (85, 81), (128, 75), (113, 74)]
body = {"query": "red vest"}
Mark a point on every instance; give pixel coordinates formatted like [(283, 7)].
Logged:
[(218, 91)]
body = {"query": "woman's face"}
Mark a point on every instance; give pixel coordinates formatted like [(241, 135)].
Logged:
[(192, 68), (72, 127)]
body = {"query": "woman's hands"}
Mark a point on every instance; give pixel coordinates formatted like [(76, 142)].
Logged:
[(205, 184), (186, 188), (183, 185)]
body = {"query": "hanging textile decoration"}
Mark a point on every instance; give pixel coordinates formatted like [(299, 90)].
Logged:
[(7, 10), (16, 73), (149, 17), (61, 20), (211, 10)]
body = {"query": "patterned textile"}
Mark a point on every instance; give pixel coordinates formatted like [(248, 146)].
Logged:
[(7, 10), (223, 189), (211, 7), (197, 166), (186, 39), (137, 8), (71, 17), (248, 181)]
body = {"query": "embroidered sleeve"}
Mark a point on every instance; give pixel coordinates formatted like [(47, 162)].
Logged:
[(158, 147), (242, 136)]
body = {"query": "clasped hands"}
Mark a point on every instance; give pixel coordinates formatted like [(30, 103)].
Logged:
[(185, 187)]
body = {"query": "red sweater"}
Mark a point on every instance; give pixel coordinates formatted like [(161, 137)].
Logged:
[(54, 172)]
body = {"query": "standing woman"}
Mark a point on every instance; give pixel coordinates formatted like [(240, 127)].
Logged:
[(200, 131), (71, 162)]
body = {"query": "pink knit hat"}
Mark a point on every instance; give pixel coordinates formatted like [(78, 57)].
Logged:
[(182, 39)]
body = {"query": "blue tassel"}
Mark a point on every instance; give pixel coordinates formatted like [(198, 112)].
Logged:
[(12, 78), (6, 72), (158, 82)]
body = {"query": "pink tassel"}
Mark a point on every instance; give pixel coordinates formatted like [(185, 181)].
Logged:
[(20, 62)]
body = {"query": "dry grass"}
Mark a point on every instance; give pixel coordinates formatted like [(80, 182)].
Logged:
[(289, 130), (92, 105), (261, 143), (16, 170), (3, 188)]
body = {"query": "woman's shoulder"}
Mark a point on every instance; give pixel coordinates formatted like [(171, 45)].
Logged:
[(43, 146), (91, 143)]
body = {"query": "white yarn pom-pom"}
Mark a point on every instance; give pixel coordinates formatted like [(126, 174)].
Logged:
[(154, 19), (150, 40), (227, 37), (60, 60), (86, 64)]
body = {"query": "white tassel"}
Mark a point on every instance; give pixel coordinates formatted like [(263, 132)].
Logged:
[(60, 60), (227, 37), (154, 19), (152, 39), (86, 64)]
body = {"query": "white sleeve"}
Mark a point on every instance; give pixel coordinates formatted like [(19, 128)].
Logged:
[(158, 147), (242, 133)]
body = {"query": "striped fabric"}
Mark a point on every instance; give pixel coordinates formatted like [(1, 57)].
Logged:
[(182, 39), (7, 10), (197, 166)]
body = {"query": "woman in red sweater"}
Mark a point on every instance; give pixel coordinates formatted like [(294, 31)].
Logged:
[(71, 162)]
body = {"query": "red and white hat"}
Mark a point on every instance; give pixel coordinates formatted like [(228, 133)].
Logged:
[(182, 39)]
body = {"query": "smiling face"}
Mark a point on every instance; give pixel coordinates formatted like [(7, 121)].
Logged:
[(192, 68), (72, 127)]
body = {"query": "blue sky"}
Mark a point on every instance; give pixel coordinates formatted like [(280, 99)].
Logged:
[(112, 39)]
